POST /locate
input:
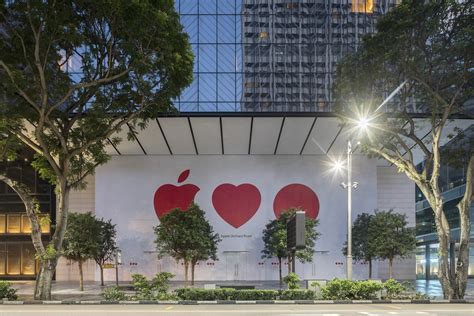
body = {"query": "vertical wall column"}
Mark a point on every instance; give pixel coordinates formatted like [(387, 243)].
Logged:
[(427, 262)]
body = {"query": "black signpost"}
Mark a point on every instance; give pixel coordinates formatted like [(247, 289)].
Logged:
[(295, 235)]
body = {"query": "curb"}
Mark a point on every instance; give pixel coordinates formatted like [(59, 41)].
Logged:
[(189, 302)]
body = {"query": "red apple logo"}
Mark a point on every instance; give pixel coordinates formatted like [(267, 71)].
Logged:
[(169, 196), (236, 204), (296, 196)]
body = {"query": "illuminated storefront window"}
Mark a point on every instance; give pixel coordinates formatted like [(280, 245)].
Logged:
[(13, 258), (363, 6), (20, 224), (13, 224), (3, 220), (17, 258)]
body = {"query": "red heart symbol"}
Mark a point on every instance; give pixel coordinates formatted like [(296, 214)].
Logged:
[(236, 204)]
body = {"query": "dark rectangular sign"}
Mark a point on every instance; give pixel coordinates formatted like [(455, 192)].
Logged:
[(295, 232)]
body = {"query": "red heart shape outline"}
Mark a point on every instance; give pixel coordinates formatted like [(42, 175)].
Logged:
[(236, 204)]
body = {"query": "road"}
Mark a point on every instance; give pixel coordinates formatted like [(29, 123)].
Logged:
[(235, 310)]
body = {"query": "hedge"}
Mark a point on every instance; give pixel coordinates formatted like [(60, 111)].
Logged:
[(191, 294)]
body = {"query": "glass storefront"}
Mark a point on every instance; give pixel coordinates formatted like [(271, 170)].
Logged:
[(17, 254), (17, 258), (18, 223), (427, 259)]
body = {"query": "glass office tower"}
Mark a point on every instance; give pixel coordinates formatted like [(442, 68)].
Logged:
[(271, 55), (452, 182)]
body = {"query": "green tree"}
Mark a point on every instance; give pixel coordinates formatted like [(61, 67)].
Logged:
[(389, 237), (361, 250), (187, 236), (80, 241), (424, 47), (107, 246), (74, 73), (274, 241)]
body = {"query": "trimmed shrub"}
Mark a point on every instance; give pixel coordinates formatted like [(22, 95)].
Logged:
[(255, 295), (297, 295), (190, 294), (393, 288), (292, 280), (156, 289), (350, 290), (114, 294), (7, 292)]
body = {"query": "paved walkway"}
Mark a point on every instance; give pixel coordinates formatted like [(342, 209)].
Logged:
[(92, 290)]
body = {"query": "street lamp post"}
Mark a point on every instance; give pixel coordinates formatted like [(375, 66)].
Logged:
[(349, 210), (349, 186)]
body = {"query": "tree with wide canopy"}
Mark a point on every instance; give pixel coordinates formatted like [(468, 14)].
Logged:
[(74, 73)]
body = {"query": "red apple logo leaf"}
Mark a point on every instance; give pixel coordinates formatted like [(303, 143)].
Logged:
[(236, 204), (296, 196), (169, 196), (183, 176)]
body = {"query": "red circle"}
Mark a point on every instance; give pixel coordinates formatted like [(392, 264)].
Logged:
[(296, 196)]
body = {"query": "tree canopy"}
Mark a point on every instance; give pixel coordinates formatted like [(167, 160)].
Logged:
[(362, 250), (390, 237), (80, 240), (186, 235), (73, 74), (274, 239), (418, 63)]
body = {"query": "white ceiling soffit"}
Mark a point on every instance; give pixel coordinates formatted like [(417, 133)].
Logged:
[(178, 133), (207, 133), (322, 136), (126, 147), (257, 136), (152, 139), (294, 135), (236, 135), (265, 134)]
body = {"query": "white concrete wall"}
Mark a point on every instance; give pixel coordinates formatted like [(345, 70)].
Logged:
[(381, 187), (126, 185), (80, 202), (395, 191)]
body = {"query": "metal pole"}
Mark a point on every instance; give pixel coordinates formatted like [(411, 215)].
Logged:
[(349, 210), (116, 269)]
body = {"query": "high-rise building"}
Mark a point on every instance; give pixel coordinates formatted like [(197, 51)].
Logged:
[(291, 48)]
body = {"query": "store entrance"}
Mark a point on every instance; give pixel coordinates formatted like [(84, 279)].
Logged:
[(236, 263)]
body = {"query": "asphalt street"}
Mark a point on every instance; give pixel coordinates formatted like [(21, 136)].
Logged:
[(248, 310)]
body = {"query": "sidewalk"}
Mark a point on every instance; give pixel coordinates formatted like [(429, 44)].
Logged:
[(93, 290)]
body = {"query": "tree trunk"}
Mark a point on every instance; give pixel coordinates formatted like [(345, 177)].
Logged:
[(51, 256), (101, 267), (390, 268), (47, 265), (289, 263), (44, 279), (370, 269), (193, 265), (445, 274), (462, 264), (280, 274), (186, 277), (81, 276)]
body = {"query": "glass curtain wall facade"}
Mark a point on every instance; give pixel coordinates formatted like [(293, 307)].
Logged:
[(452, 183), (270, 55), (17, 254)]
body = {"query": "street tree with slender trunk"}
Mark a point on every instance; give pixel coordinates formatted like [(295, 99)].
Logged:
[(107, 245), (390, 237), (187, 236), (274, 241), (423, 52), (72, 75), (361, 242), (81, 240)]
